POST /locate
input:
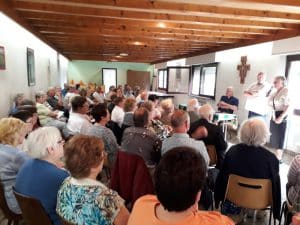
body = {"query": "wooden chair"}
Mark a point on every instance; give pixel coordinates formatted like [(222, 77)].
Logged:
[(32, 210), (250, 193), (212, 153), (65, 222), (12, 217)]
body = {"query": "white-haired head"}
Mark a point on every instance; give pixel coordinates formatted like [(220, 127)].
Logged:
[(254, 132), (206, 112), (192, 105), (40, 140)]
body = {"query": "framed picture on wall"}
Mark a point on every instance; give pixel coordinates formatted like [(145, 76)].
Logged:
[(30, 67), (2, 58)]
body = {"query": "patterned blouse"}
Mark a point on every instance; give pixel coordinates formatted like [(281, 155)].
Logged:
[(87, 202), (279, 99)]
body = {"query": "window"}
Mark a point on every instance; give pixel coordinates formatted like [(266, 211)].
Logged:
[(109, 78), (162, 79), (203, 81)]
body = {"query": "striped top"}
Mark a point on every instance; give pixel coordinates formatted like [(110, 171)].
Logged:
[(294, 179)]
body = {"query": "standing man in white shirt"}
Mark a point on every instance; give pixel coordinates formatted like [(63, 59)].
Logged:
[(79, 121), (117, 114), (257, 95)]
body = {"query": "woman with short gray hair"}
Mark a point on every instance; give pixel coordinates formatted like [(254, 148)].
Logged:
[(249, 159), (42, 176)]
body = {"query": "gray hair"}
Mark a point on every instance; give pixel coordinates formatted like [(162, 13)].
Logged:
[(193, 104), (206, 111), (254, 132), (40, 140)]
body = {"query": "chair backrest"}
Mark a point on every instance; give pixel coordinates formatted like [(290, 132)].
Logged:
[(212, 153), (32, 210), (4, 207), (130, 177), (248, 192)]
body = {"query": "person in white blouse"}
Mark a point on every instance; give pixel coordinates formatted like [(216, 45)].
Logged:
[(99, 94), (79, 121), (279, 101), (117, 114), (256, 95)]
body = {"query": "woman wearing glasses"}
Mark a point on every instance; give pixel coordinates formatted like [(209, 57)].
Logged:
[(279, 101), (42, 176)]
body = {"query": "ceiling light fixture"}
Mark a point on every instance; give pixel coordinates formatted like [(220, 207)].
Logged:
[(123, 54), (161, 25)]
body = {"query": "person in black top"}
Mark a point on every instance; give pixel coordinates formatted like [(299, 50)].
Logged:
[(249, 159), (215, 135), (228, 103)]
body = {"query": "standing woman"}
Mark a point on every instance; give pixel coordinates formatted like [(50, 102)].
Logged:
[(279, 101)]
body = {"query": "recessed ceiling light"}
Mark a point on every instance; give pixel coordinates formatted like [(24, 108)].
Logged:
[(123, 54), (137, 43), (161, 25), (118, 56)]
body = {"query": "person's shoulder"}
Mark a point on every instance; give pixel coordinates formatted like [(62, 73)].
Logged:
[(146, 200), (213, 218)]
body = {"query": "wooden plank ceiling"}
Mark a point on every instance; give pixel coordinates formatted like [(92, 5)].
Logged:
[(153, 31)]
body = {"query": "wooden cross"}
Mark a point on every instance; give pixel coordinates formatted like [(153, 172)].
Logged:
[(243, 68)]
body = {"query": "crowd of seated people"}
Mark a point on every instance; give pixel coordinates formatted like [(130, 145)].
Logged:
[(34, 159)]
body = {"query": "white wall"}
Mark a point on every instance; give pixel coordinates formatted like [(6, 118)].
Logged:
[(13, 79)]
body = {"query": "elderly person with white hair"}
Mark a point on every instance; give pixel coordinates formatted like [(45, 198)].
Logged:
[(42, 176), (250, 159), (192, 109), (228, 103), (167, 107), (215, 135)]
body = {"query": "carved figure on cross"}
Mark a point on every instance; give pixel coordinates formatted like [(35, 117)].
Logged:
[(243, 68)]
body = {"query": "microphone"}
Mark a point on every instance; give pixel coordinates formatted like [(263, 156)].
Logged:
[(269, 92)]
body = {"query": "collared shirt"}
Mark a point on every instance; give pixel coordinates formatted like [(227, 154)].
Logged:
[(279, 100), (229, 100), (98, 96), (117, 115), (258, 103), (181, 140), (43, 112), (109, 139), (87, 201), (11, 160), (78, 123)]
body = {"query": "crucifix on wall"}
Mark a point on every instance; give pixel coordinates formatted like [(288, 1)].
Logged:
[(243, 68)]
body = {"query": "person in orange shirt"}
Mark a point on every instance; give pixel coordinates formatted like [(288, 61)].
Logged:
[(179, 179)]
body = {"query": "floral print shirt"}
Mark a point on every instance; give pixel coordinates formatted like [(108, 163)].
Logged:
[(87, 202)]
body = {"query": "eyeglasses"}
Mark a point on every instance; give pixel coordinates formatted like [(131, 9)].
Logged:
[(62, 142)]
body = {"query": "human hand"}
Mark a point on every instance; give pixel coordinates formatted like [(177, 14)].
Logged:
[(278, 120)]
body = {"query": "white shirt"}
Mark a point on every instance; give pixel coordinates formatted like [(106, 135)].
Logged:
[(117, 115), (78, 123), (259, 102), (98, 96), (279, 99)]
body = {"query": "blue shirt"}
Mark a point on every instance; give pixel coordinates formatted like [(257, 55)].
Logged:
[(41, 180), (229, 100), (11, 160)]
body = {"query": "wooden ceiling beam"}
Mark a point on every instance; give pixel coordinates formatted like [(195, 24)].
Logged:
[(180, 8), (111, 13), (123, 24), (75, 31), (139, 31), (293, 3)]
